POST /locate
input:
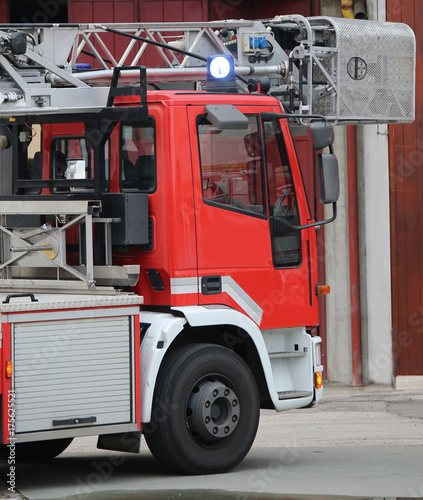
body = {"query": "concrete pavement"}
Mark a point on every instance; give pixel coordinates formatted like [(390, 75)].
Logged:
[(359, 442)]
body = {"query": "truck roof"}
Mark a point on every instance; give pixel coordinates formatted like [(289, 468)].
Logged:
[(177, 98)]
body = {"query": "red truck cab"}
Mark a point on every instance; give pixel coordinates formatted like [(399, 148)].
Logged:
[(212, 195)]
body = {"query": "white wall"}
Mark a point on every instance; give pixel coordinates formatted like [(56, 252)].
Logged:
[(375, 254), (338, 306), (331, 8)]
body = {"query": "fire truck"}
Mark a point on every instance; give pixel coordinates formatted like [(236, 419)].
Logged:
[(158, 257)]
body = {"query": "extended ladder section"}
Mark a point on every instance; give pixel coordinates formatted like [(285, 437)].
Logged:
[(347, 70)]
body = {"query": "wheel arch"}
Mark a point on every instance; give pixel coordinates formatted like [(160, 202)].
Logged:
[(196, 324)]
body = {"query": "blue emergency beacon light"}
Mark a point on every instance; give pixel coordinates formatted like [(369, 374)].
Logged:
[(221, 74)]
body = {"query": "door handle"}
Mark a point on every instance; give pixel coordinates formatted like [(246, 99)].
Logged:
[(211, 285)]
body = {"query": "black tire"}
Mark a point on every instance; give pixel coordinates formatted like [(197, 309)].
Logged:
[(37, 451), (205, 411)]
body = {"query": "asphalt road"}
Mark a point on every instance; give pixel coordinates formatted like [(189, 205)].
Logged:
[(359, 442)]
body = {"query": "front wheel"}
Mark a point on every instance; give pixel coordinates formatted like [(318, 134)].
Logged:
[(205, 412)]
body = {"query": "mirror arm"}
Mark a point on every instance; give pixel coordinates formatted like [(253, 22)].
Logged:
[(285, 224)]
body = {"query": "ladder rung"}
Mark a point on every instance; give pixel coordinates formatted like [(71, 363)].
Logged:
[(294, 394)]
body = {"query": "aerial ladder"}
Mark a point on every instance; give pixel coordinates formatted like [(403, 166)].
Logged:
[(338, 68)]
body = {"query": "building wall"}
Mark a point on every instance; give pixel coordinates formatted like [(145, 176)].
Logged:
[(4, 12), (338, 331), (137, 10), (101, 11), (184, 10), (256, 9), (406, 175)]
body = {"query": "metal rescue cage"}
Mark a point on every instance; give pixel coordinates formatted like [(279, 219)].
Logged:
[(375, 71)]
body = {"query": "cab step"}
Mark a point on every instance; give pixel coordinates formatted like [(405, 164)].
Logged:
[(286, 354), (294, 394)]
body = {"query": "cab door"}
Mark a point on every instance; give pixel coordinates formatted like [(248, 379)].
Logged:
[(244, 180)]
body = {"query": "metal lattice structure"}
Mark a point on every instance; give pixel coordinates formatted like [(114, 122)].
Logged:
[(348, 70)]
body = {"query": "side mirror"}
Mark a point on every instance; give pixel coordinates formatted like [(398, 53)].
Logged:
[(328, 178), (323, 134)]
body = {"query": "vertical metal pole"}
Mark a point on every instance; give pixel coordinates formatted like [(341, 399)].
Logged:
[(354, 256), (89, 248)]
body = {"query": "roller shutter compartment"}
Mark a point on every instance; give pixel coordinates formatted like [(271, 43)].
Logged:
[(70, 374)]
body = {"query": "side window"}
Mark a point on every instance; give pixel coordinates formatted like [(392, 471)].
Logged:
[(72, 158), (33, 168), (137, 157), (231, 167), (286, 247)]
